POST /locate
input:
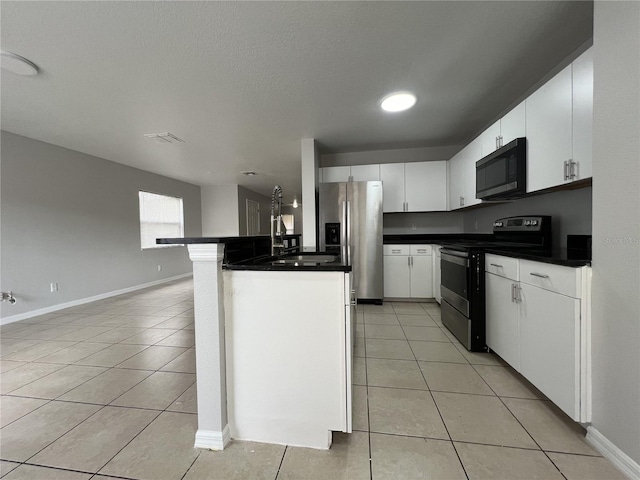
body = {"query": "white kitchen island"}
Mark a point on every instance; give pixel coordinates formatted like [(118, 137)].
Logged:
[(274, 346)]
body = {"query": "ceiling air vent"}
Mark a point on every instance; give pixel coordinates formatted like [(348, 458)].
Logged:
[(164, 137)]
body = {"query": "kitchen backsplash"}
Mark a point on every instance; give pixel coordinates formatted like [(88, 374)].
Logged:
[(570, 209)]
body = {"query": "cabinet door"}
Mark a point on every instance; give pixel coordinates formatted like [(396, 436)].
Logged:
[(392, 176), (548, 117), (583, 115), (471, 156), (421, 276), (489, 139), (365, 173), (335, 174), (426, 186), (550, 346), (512, 125), (502, 319), (456, 181), (396, 276)]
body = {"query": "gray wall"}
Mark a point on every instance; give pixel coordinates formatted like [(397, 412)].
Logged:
[(220, 211), (398, 155), (571, 211), (265, 210), (422, 222), (616, 225), (72, 218)]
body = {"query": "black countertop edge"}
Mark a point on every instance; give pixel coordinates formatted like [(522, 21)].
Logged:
[(435, 238), (308, 267), (190, 240), (556, 257)]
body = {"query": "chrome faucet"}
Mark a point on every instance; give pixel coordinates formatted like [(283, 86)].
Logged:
[(277, 245)]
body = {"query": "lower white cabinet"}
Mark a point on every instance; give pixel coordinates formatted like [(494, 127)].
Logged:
[(537, 321), (408, 271)]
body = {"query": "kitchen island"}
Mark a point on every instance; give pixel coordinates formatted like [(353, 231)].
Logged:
[(274, 340)]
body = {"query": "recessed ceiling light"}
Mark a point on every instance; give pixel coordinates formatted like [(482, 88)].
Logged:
[(164, 137), (249, 173), (398, 101), (16, 64)]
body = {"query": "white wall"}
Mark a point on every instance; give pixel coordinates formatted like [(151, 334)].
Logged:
[(220, 211), (616, 225), (74, 219)]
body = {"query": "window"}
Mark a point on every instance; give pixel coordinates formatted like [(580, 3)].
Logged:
[(160, 217)]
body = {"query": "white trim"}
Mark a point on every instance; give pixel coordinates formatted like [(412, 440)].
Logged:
[(82, 301), (212, 440), (620, 459)]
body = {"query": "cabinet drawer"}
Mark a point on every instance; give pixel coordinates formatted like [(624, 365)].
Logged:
[(502, 266), (419, 250), (555, 278), (395, 249)]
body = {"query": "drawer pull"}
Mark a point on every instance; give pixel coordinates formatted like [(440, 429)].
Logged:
[(496, 265), (539, 275)]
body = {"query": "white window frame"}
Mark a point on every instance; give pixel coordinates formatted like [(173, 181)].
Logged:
[(180, 221)]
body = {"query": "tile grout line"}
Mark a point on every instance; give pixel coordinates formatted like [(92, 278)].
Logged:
[(366, 381), (284, 452)]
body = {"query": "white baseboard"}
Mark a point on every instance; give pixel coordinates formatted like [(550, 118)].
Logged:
[(620, 459), (213, 440), (82, 301)]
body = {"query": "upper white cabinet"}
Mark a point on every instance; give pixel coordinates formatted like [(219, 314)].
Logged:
[(392, 176), (583, 115), (505, 130), (549, 127), (353, 173), (462, 176), (425, 186), (414, 187)]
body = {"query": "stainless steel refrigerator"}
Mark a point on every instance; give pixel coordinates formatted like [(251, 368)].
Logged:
[(350, 221)]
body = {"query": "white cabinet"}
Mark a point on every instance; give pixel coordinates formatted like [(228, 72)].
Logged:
[(408, 271), (425, 186), (549, 127), (462, 176), (583, 115), (505, 130), (392, 176), (550, 346), (537, 321), (353, 173), (437, 273)]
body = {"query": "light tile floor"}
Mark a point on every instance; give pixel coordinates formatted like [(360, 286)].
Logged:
[(107, 390)]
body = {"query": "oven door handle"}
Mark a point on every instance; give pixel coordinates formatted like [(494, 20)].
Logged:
[(458, 260)]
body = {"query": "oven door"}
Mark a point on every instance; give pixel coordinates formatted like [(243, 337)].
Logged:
[(454, 267)]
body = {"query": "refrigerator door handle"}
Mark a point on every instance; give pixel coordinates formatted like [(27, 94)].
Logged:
[(343, 230), (348, 216)]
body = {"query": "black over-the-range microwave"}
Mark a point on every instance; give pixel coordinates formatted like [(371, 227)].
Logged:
[(502, 175)]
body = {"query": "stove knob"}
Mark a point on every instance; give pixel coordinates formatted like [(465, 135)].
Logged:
[(534, 222)]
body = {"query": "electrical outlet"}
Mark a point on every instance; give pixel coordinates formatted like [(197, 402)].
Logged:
[(413, 226), (53, 286), (159, 268)]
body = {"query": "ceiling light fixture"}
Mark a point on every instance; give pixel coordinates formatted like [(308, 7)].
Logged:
[(398, 101), (19, 65), (249, 173), (295, 203), (164, 137)]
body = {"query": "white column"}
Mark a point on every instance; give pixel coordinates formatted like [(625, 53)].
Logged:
[(309, 164), (208, 292)]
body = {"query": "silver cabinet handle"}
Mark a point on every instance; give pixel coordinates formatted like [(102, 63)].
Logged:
[(518, 293), (501, 141), (496, 265), (572, 173), (497, 143), (462, 201), (411, 261), (513, 292), (540, 275), (566, 170), (408, 261)]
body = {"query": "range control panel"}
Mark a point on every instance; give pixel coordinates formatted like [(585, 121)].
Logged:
[(520, 223)]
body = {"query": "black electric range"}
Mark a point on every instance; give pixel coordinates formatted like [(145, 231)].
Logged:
[(462, 270)]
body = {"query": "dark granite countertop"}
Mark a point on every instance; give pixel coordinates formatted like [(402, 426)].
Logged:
[(562, 257), (291, 263), (191, 240), (433, 238)]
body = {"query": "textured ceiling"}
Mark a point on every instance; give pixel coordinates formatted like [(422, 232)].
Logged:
[(243, 82)]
